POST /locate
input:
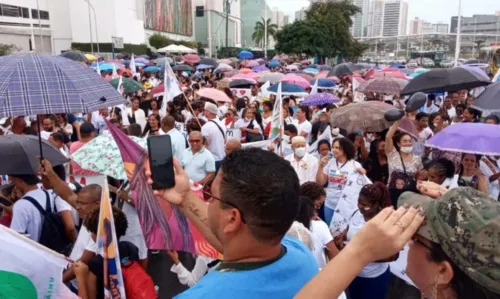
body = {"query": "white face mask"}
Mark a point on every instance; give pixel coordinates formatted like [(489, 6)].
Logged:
[(300, 152), (335, 131), (407, 149)]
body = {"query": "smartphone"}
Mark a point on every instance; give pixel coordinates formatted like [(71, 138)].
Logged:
[(161, 161)]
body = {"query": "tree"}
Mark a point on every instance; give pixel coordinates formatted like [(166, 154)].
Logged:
[(159, 41), (7, 49), (259, 32)]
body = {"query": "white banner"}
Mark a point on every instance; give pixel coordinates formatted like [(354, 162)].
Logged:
[(182, 128), (241, 92), (233, 134), (260, 144)]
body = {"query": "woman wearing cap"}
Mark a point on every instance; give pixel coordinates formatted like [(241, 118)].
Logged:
[(455, 254)]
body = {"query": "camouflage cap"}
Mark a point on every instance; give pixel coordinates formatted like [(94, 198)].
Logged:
[(466, 223)]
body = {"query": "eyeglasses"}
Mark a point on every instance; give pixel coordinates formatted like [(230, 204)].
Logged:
[(210, 196), (421, 243), (194, 141)]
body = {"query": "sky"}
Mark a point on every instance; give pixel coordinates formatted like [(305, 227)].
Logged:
[(430, 10)]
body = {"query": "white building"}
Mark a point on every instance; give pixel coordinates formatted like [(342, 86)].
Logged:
[(395, 17), (67, 21), (427, 28), (440, 28), (376, 18), (416, 26), (360, 20), (301, 14), (278, 18)]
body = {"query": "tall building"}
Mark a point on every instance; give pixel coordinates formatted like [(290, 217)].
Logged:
[(286, 20), (252, 11), (440, 28), (278, 18), (376, 18), (416, 26), (360, 20), (427, 28), (395, 17), (481, 24), (301, 14)]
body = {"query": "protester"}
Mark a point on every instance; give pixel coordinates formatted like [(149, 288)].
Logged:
[(202, 266), (86, 134), (490, 168), (153, 126), (470, 174), (214, 132), (135, 114), (304, 164), (197, 161), (302, 123), (176, 138)]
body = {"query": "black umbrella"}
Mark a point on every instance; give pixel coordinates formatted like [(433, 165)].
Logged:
[(489, 99), (19, 154), (440, 80), (74, 55), (342, 69), (209, 61), (182, 68), (240, 83)]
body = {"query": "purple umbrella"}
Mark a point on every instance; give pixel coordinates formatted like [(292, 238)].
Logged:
[(472, 138), (251, 63), (260, 68), (261, 61), (476, 69), (319, 99)]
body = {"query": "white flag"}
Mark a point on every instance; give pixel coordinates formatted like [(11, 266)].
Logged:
[(263, 89), (114, 75), (277, 119), (326, 135), (132, 65), (172, 87), (497, 77), (98, 69), (28, 266), (314, 89)]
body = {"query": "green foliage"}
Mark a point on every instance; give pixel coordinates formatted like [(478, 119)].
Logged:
[(108, 47), (325, 32), (7, 49), (259, 32), (159, 41)]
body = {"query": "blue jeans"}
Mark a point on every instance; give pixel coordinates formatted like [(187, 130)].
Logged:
[(328, 215), (217, 166), (370, 288)]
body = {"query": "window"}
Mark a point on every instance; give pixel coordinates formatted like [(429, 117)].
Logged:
[(25, 12), (9, 11), (34, 14), (44, 15)]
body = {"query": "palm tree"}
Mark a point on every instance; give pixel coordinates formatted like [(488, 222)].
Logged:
[(259, 32)]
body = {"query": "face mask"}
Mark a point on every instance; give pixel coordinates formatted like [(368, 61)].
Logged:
[(300, 152), (407, 149), (335, 131)]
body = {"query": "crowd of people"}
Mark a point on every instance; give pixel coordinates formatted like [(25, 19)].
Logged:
[(272, 211)]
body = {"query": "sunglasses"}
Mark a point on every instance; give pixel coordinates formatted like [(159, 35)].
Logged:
[(421, 243), (211, 196), (194, 141)]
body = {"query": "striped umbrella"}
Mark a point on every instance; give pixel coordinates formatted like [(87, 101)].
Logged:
[(320, 99), (383, 85)]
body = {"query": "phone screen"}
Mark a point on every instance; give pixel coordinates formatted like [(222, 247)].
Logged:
[(161, 161)]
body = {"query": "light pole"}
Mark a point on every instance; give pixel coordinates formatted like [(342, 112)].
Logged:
[(95, 22), (459, 27), (39, 25), (90, 31), (265, 30)]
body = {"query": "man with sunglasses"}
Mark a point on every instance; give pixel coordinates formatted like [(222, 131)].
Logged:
[(197, 160), (252, 204)]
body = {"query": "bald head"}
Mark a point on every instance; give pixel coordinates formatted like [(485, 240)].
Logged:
[(232, 145), (167, 123)]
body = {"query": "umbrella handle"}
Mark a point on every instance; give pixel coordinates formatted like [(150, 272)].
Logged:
[(39, 138)]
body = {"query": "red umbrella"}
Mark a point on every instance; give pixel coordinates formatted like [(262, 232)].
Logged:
[(192, 58), (390, 74), (297, 79), (245, 71), (158, 90), (369, 74), (124, 72)]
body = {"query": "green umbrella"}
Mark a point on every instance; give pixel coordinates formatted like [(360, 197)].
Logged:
[(129, 85)]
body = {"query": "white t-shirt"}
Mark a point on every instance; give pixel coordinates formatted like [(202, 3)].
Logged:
[(45, 135), (493, 187), (419, 146), (217, 139), (371, 270), (134, 233), (337, 179), (452, 112), (241, 123), (433, 108), (83, 242), (304, 127), (26, 218), (321, 236)]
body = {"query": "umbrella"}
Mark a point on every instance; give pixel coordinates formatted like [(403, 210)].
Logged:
[(53, 84), (292, 67), (342, 69), (369, 74), (225, 61), (320, 99), (311, 71), (233, 59), (261, 61), (124, 72), (129, 85), (118, 62), (407, 72), (271, 77), (472, 138), (102, 155), (230, 73), (214, 94), (203, 67), (241, 83), (75, 55), (209, 61), (303, 75), (321, 75), (142, 60), (273, 63), (260, 68), (476, 69), (325, 67), (288, 89), (108, 66), (90, 57), (151, 69), (383, 85), (249, 76), (123, 55), (323, 83), (191, 58), (158, 90), (144, 56), (334, 79), (223, 67), (245, 55), (19, 154), (363, 116), (407, 125), (445, 80), (245, 71), (251, 64), (489, 99), (161, 61), (394, 73), (418, 72), (182, 68), (294, 79)]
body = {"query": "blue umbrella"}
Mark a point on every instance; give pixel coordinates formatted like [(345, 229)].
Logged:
[(140, 64), (312, 71), (32, 84), (126, 62), (323, 83), (288, 89), (152, 69), (245, 55), (204, 67), (274, 63), (325, 67), (108, 66), (320, 99), (94, 64), (397, 66)]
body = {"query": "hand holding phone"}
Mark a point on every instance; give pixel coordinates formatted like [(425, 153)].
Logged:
[(161, 162)]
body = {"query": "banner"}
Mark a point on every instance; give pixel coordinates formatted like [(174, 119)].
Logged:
[(233, 134), (326, 135), (398, 267), (181, 127), (241, 92)]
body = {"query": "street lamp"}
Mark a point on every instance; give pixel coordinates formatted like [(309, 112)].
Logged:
[(459, 27), (90, 27)]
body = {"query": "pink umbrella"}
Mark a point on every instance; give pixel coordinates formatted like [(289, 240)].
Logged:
[(192, 58), (249, 76), (108, 78), (276, 57), (226, 61), (245, 71), (369, 74), (117, 62), (305, 62), (230, 73), (390, 74), (334, 79), (214, 94), (158, 90), (294, 79), (322, 75), (251, 63)]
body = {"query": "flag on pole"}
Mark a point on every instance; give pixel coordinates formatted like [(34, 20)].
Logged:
[(98, 69), (122, 107), (29, 270), (497, 77), (107, 246), (326, 135), (263, 89), (172, 87), (132, 65), (114, 75), (314, 89), (277, 119)]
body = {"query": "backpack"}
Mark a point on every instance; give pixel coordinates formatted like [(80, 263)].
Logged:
[(53, 233), (138, 284)]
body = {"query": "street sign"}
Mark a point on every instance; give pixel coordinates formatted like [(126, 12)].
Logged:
[(117, 42)]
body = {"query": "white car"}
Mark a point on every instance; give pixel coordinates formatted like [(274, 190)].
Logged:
[(447, 63), (413, 64), (428, 63)]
